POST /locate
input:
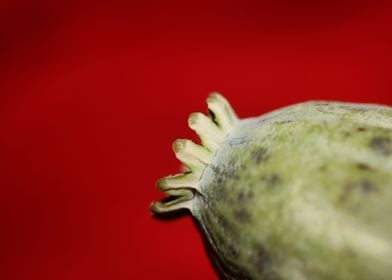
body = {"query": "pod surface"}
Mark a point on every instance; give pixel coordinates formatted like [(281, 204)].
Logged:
[(303, 192)]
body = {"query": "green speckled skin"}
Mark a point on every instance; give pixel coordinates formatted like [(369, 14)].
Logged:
[(302, 193)]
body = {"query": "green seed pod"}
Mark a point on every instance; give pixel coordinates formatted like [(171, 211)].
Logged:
[(301, 193)]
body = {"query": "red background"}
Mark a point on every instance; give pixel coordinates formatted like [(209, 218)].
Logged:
[(92, 94)]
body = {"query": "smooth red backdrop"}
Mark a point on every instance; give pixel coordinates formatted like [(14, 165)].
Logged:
[(92, 94)]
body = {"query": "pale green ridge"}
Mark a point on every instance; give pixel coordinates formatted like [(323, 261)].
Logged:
[(212, 130)]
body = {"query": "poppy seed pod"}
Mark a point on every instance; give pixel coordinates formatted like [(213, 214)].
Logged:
[(300, 193)]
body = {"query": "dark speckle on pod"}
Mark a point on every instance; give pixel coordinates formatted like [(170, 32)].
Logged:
[(323, 168), (352, 108), (263, 263), (233, 250), (262, 120), (220, 178), (242, 215), (272, 180), (367, 186), (238, 141), (364, 186), (260, 155), (363, 166), (220, 188), (244, 197), (359, 109), (381, 145), (223, 223), (284, 121)]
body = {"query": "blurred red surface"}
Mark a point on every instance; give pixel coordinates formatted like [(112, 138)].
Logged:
[(92, 93)]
